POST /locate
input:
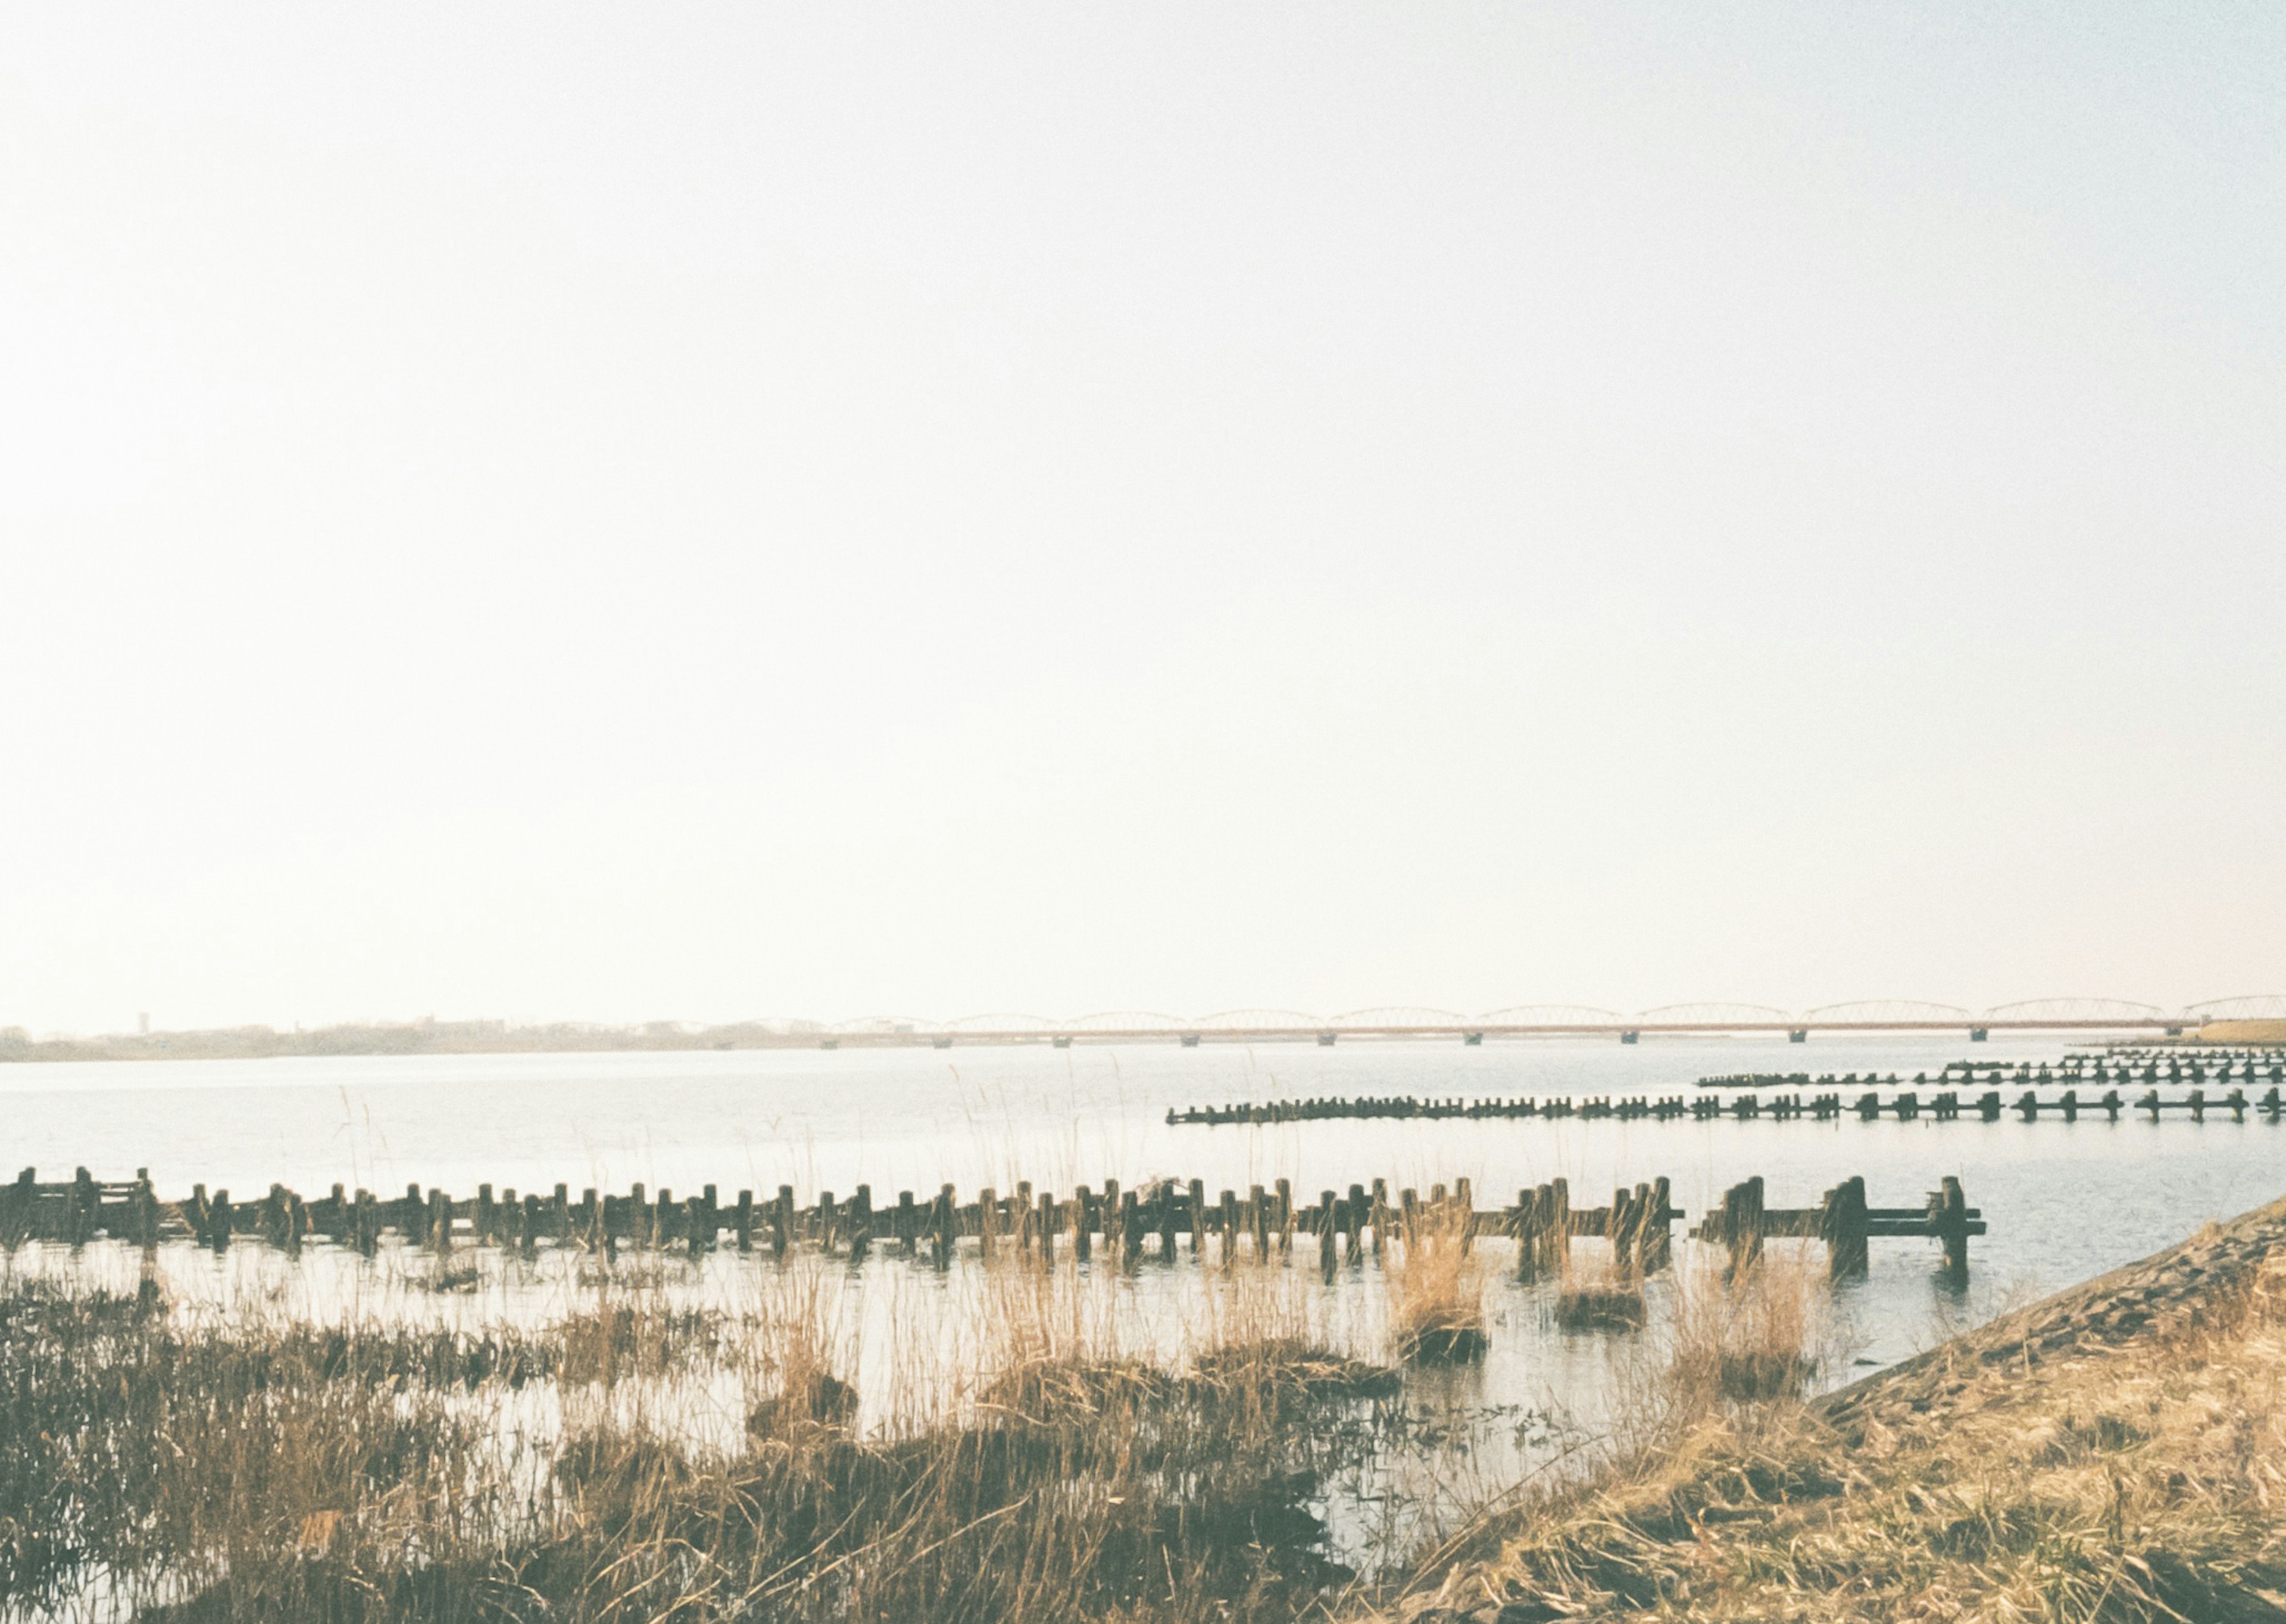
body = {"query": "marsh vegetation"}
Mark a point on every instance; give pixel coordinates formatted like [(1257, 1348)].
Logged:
[(640, 1439)]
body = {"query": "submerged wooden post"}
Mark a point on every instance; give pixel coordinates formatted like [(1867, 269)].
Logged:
[(781, 1219), (1949, 1216), (1047, 1226), (1742, 1226), (988, 1221), (1843, 1222), (1556, 1231), (743, 1224), (1658, 1241), (1198, 1216), (1083, 1223), (1326, 1240)]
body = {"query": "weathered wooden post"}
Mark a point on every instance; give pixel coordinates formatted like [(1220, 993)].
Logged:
[(743, 1224), (1555, 1233), (1284, 1219), (781, 1220), (1464, 1212), (1083, 1223), (1130, 1230), (1619, 1231), (535, 1219), (1949, 1216), (1742, 1226), (1380, 1215), (1199, 1215), (943, 1239), (861, 1223), (988, 1222), (80, 1208), (147, 1211), (1047, 1227), (1353, 1225), (1843, 1223)]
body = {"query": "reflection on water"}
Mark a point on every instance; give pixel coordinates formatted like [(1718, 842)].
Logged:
[(2064, 1201)]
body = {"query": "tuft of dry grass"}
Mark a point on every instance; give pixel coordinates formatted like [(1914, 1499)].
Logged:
[(1597, 1295), (1436, 1284), (1759, 1336)]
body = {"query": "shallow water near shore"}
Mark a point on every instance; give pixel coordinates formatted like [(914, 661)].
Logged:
[(2064, 1202)]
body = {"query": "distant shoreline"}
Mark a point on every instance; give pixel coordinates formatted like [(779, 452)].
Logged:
[(425, 1037), (464, 1037)]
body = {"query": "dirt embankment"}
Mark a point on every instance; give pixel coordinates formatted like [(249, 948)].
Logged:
[(2242, 1032), (2117, 1451)]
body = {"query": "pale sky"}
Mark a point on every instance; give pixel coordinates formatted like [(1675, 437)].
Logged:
[(720, 511)]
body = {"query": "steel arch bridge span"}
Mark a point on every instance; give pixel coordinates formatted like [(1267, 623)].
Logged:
[(1889, 1015), (1552, 1018), (1714, 1018), (2066, 1012), (1397, 1021), (2258, 1007)]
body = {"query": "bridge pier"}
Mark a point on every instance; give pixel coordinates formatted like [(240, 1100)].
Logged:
[(1977, 1034), (1629, 1035), (1798, 1035)]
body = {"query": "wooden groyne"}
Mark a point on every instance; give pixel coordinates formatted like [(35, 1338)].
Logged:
[(1903, 1105), (1160, 1222)]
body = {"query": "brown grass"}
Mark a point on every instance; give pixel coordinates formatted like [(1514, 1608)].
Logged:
[(1436, 1284), (635, 1460), (2126, 1485)]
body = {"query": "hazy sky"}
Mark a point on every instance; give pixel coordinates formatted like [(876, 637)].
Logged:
[(723, 512)]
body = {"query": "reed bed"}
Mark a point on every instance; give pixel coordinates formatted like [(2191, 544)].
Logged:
[(808, 1449), (658, 1439)]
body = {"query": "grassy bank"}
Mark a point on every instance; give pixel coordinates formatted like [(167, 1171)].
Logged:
[(2116, 1453)]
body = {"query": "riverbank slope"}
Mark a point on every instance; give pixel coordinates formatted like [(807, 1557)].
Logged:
[(2115, 1452)]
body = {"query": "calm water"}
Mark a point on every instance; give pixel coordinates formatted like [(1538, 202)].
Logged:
[(2064, 1202)]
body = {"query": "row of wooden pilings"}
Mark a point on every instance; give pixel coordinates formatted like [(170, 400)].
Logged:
[(1907, 1105), (1130, 1225)]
